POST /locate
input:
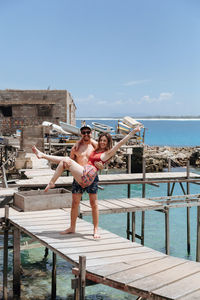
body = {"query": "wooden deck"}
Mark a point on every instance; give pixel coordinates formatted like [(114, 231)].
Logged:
[(113, 260), (161, 177), (123, 205)]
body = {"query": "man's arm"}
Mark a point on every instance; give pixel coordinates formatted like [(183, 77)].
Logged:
[(72, 153), (94, 143)]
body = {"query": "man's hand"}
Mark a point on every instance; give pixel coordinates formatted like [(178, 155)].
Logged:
[(99, 165), (77, 145)]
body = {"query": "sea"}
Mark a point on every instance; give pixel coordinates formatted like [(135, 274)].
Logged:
[(36, 276)]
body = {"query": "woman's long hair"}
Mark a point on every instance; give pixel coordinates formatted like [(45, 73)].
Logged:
[(109, 139)]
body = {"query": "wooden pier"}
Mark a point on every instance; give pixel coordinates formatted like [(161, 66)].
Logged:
[(42, 180), (112, 260)]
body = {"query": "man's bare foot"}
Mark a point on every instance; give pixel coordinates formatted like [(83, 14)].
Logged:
[(49, 186), (37, 152), (96, 235), (68, 231)]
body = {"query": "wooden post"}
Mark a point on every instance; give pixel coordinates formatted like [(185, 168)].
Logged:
[(128, 226), (46, 252), (16, 263), (4, 179), (198, 235), (167, 248), (133, 227), (128, 195), (5, 255), (143, 196), (82, 275), (53, 281), (49, 145), (188, 209), (168, 185)]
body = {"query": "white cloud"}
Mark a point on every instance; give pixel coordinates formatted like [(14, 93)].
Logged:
[(162, 97), (87, 99), (135, 82)]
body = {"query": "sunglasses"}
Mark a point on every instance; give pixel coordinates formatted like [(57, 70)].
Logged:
[(85, 132)]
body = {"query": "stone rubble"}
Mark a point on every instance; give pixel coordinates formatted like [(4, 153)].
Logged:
[(157, 157)]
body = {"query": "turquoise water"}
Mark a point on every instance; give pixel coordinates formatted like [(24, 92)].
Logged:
[(36, 278), (164, 132)]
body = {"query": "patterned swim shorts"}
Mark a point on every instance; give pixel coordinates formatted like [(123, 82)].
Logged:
[(91, 189), (89, 174)]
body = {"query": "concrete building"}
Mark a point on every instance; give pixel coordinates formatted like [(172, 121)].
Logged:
[(20, 108)]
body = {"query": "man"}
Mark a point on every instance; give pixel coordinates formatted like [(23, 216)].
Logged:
[(80, 153)]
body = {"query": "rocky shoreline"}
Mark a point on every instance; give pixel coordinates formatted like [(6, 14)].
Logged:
[(157, 157)]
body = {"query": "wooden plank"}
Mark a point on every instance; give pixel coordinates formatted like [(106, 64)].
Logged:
[(127, 258), (134, 273), (163, 283), (120, 203), (180, 288), (112, 268), (140, 204), (40, 213), (95, 248), (79, 243), (53, 238), (191, 296), (109, 253)]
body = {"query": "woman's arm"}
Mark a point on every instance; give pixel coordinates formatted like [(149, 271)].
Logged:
[(108, 154)]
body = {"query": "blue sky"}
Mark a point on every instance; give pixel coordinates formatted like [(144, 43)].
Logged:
[(115, 57)]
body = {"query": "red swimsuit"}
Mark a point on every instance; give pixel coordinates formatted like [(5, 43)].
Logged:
[(90, 171)]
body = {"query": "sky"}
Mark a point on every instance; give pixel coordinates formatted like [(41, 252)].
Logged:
[(115, 57)]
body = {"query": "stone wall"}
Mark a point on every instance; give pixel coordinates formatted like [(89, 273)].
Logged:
[(20, 108)]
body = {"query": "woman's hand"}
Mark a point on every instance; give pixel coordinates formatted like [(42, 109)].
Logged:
[(136, 129), (99, 165)]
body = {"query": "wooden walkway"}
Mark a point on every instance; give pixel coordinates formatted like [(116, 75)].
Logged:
[(112, 260), (161, 177), (121, 205)]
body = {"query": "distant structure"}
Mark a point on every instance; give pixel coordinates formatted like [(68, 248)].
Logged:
[(20, 108)]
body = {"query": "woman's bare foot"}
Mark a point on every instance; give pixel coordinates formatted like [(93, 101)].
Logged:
[(37, 152), (68, 231), (49, 186), (96, 235)]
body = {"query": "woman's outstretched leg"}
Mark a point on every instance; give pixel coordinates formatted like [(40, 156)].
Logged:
[(52, 158), (66, 164), (58, 172)]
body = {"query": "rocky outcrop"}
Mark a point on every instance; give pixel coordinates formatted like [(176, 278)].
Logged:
[(157, 157)]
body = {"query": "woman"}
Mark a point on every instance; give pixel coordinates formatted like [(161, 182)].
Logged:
[(85, 175)]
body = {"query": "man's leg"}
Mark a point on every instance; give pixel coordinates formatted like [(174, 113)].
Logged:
[(95, 214), (74, 213), (92, 191)]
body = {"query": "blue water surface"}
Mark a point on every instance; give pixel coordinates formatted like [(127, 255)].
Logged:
[(163, 132)]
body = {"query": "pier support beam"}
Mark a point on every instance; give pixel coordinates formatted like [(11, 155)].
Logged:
[(143, 196), (188, 209), (167, 246), (79, 283), (16, 264), (129, 196), (53, 282), (5, 255), (198, 235)]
